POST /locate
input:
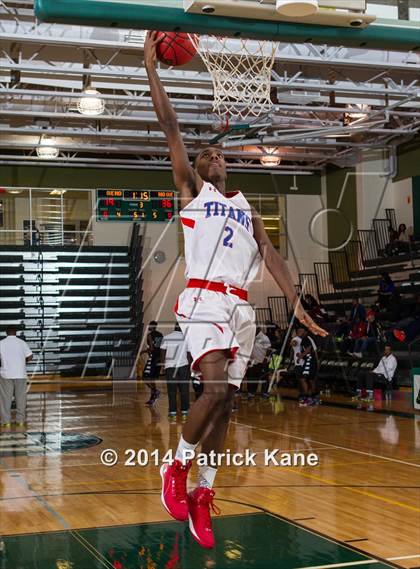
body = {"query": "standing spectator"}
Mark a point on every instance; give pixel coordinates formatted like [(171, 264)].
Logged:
[(371, 337), (258, 364), (151, 369), (357, 311), (383, 373), (296, 347), (308, 371), (14, 355), (386, 291), (175, 357)]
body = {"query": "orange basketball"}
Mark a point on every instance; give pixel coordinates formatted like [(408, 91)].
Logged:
[(176, 48)]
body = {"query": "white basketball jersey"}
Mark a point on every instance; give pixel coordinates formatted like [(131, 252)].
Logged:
[(219, 238)]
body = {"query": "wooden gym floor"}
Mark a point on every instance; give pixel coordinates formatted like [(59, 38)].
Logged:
[(61, 508)]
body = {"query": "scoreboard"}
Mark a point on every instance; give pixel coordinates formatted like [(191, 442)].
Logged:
[(134, 205)]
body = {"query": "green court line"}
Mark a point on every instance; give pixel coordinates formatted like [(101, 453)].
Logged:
[(247, 541)]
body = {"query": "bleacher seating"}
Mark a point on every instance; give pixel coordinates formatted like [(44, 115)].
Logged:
[(71, 304), (355, 271)]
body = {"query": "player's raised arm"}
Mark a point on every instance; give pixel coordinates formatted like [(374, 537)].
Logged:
[(281, 274), (185, 178)]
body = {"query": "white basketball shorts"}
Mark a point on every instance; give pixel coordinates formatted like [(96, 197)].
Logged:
[(213, 321)]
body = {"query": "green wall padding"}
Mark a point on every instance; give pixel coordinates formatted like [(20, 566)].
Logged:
[(416, 206), (341, 196)]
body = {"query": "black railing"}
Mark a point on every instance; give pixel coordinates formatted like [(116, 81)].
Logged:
[(136, 279), (354, 256), (279, 310), (263, 315), (324, 278), (382, 234), (391, 217), (339, 267), (309, 284), (367, 240)]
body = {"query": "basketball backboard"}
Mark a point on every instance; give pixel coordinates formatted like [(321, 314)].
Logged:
[(346, 13), (253, 19)]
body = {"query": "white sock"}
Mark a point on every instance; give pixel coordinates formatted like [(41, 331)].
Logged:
[(183, 446), (206, 476)]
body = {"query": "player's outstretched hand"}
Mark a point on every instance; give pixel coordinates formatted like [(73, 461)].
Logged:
[(307, 321), (150, 44)]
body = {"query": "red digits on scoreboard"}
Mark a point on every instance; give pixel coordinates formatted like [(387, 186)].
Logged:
[(166, 204)]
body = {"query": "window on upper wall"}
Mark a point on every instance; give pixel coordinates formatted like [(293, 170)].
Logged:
[(273, 211), (57, 216)]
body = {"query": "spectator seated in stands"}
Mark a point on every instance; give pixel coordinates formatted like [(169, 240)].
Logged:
[(270, 329), (342, 333), (278, 339), (258, 368), (373, 311), (403, 237), (358, 331), (371, 338), (383, 374), (358, 311), (386, 291), (407, 329), (399, 241), (314, 309)]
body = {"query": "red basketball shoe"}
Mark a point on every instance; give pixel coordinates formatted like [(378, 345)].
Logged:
[(199, 503), (174, 489)]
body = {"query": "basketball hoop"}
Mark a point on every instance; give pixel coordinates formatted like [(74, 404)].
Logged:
[(241, 73)]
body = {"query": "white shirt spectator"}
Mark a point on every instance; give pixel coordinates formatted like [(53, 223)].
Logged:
[(387, 366), (261, 345), (13, 354), (296, 342), (176, 350)]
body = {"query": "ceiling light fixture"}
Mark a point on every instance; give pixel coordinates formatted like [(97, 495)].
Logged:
[(47, 149), (90, 104), (355, 112), (271, 157)]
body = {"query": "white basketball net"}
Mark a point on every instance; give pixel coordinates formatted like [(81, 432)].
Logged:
[(241, 73)]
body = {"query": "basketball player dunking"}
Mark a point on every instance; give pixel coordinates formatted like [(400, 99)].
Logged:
[(225, 241)]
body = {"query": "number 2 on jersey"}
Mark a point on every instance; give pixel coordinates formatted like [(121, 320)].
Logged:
[(226, 240)]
